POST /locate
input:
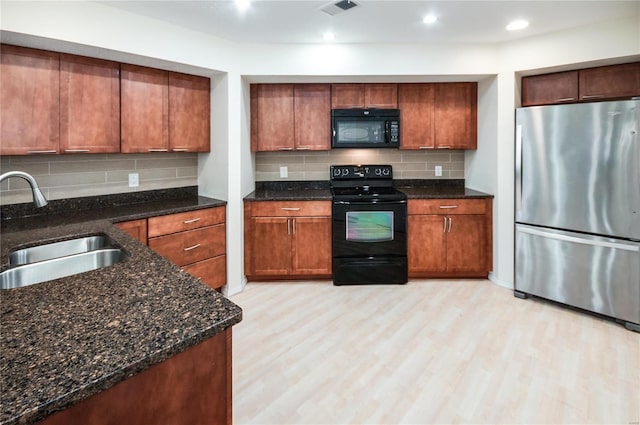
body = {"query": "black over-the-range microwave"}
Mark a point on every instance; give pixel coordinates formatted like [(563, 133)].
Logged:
[(365, 128)]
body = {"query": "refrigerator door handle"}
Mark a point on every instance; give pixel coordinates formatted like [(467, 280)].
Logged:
[(628, 247), (518, 168)]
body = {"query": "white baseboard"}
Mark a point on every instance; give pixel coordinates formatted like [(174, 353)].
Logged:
[(499, 282), (229, 292)]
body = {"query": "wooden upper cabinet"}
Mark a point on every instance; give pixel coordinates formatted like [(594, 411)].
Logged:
[(272, 117), (89, 105), (189, 113), (312, 116), (29, 105), (610, 82), (144, 109), (375, 95), (456, 115), (559, 87), (417, 114)]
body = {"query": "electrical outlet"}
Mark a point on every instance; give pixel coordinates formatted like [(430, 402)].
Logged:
[(134, 180), (284, 172), (438, 170)]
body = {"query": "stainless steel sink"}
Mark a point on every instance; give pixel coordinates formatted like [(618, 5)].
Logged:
[(50, 261), (59, 249)]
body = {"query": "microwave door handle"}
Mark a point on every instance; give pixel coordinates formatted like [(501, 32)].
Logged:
[(387, 132)]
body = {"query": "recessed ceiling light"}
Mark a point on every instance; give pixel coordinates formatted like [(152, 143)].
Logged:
[(517, 25), (243, 4), (429, 19), (329, 36)]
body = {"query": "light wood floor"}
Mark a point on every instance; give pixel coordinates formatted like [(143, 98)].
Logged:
[(432, 351)]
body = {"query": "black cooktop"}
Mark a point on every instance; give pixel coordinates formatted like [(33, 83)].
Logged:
[(370, 183)]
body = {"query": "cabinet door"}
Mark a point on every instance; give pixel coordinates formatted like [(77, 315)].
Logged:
[(29, 101), (189, 113), (609, 82), (274, 129), (426, 246), (347, 96), (311, 249), (417, 112), (559, 87), (456, 115), (312, 112), (381, 96), (467, 244), (270, 246), (145, 109), (89, 105), (135, 228)]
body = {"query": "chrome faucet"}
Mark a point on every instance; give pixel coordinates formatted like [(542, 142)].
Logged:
[(38, 198)]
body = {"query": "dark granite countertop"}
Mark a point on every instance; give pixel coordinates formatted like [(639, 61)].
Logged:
[(320, 190), (67, 339)]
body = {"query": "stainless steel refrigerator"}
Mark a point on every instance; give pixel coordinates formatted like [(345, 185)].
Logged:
[(578, 207)]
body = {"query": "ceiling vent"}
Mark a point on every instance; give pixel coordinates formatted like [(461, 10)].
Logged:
[(336, 7)]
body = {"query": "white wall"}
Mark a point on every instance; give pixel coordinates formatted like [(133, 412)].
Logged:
[(97, 30)]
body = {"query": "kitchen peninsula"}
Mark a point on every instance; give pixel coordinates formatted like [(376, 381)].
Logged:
[(142, 323)]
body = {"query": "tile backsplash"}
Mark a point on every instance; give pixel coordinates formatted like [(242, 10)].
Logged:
[(73, 176), (314, 165)]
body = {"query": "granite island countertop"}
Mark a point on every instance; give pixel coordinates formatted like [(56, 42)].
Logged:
[(321, 191), (67, 339)]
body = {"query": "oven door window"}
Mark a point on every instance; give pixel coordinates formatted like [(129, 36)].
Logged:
[(369, 226)]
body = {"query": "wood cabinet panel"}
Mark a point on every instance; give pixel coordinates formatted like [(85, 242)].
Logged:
[(191, 246), (136, 228), (559, 87), (311, 248), (456, 115), (212, 271), (179, 222), (312, 111), (189, 113), (274, 111), (417, 113), (291, 209), (467, 244), (144, 109), (454, 241), (358, 95), (29, 103), (270, 241), (89, 105), (191, 388), (426, 244), (610, 82), (447, 206)]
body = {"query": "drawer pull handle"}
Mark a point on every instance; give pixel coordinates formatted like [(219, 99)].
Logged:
[(193, 220), (448, 207), (192, 247), (76, 150), (37, 152), (566, 99), (290, 209), (180, 150), (285, 149), (592, 96), (426, 147), (158, 150)]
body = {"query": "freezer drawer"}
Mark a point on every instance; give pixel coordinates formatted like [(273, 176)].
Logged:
[(594, 273)]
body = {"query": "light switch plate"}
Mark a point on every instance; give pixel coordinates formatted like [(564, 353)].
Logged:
[(134, 180), (284, 172), (438, 170)]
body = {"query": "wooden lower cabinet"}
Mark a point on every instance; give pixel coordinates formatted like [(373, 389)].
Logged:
[(135, 228), (291, 245), (191, 388), (450, 238)]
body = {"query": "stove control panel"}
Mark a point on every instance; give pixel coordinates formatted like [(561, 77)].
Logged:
[(356, 172)]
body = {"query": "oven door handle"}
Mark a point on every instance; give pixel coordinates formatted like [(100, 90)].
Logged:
[(374, 202)]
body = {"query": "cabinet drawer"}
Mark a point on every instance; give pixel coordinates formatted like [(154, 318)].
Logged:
[(447, 206), (291, 209), (212, 271), (173, 223), (191, 246)]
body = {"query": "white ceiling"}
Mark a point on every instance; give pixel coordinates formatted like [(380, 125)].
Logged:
[(267, 21)]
